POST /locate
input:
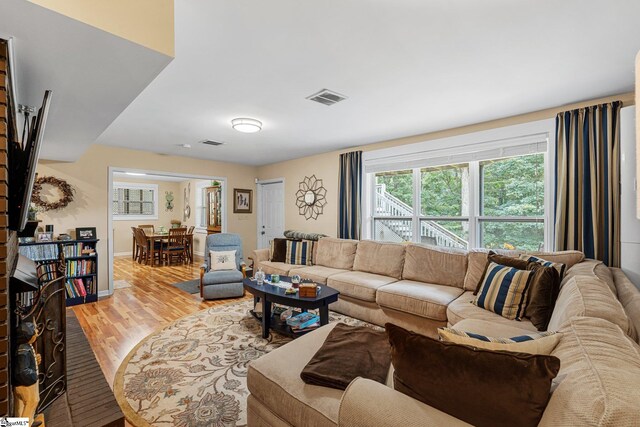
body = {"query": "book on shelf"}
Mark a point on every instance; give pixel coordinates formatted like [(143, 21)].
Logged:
[(46, 271), (302, 320), (79, 287), (80, 267), (74, 250), (306, 329)]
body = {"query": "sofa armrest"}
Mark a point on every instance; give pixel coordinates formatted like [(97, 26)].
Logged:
[(258, 256), (366, 403)]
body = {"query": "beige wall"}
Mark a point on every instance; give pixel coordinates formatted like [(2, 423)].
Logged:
[(89, 177), (122, 229), (325, 166), (149, 23)]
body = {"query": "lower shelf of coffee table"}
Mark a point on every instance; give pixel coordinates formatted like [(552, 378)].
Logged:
[(281, 327)]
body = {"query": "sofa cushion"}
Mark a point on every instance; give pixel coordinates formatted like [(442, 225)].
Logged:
[(543, 294), (273, 267), (592, 267), (568, 258), (590, 297), (528, 342), (299, 252), (431, 264), (382, 258), (629, 297), (317, 273), (477, 261), (358, 284), (504, 291), (599, 375), (463, 308), (482, 387), (336, 253), (494, 329), (278, 250), (422, 299), (561, 268), (274, 380)]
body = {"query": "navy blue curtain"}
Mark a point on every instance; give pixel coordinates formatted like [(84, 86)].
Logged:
[(587, 176), (350, 197)]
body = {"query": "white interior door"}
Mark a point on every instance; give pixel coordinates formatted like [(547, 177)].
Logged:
[(271, 214)]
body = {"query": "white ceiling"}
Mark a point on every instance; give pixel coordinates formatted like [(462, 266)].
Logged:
[(93, 74), (407, 66)]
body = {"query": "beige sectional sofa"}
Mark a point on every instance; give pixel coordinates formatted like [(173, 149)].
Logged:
[(422, 288)]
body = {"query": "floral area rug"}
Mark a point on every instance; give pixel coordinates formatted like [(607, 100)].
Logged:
[(193, 372)]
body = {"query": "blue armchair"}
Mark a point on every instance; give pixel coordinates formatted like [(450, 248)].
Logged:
[(222, 283)]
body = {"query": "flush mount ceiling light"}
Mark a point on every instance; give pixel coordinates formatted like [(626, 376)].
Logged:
[(246, 125)]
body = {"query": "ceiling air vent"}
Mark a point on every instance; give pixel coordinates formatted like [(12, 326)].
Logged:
[(326, 97), (210, 142)]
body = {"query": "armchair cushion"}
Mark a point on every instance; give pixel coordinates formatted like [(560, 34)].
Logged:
[(223, 260), (223, 276)]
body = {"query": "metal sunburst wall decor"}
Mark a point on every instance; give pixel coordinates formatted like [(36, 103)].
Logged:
[(311, 197)]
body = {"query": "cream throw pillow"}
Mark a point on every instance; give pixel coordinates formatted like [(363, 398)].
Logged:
[(222, 260), (535, 343)]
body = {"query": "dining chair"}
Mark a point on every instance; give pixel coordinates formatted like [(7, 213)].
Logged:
[(148, 228), (176, 246), (142, 246), (189, 244), (135, 249)]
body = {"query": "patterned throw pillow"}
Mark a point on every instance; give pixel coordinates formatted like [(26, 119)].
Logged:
[(223, 260), (299, 252), (557, 265), (504, 291), (534, 343)]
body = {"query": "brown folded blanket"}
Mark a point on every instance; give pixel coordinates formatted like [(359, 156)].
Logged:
[(347, 353)]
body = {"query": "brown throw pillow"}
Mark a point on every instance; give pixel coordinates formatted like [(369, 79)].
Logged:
[(481, 387), (279, 250), (347, 353), (502, 260), (543, 293)]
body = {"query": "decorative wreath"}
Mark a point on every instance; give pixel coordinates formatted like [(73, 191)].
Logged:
[(311, 197), (66, 193)]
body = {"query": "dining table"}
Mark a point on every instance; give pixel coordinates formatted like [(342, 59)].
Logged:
[(162, 237)]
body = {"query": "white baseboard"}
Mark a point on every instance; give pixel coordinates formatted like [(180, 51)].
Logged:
[(198, 253), (104, 293), (123, 254)]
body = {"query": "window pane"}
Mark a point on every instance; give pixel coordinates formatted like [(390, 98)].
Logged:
[(528, 236), (451, 234), (394, 193), (445, 190), (513, 186), (392, 230)]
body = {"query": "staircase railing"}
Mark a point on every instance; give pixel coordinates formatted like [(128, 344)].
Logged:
[(387, 205)]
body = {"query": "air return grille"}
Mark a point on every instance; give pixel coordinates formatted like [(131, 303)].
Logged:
[(210, 142), (326, 97)]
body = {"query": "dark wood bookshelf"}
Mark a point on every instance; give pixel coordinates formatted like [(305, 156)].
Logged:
[(48, 252)]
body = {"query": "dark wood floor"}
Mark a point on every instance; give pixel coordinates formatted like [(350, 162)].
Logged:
[(116, 324)]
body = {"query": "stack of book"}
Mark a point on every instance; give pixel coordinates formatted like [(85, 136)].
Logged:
[(40, 252), (77, 250), (75, 288), (303, 322), (80, 268)]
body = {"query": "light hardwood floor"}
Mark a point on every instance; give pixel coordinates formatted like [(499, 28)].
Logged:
[(116, 324)]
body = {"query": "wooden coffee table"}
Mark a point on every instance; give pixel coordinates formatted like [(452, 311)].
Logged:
[(269, 294)]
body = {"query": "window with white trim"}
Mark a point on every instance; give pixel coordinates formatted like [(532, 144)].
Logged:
[(135, 201), (492, 199)]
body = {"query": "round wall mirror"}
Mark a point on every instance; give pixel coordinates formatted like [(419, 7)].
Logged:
[(309, 198)]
